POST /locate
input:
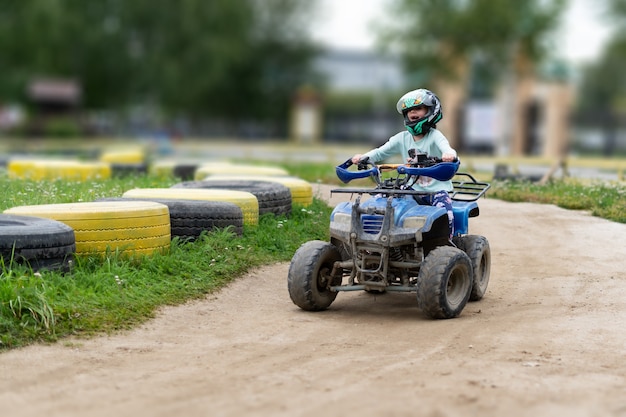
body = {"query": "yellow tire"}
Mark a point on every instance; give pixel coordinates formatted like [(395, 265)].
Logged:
[(42, 169), (301, 190), (217, 168), (246, 201), (22, 168), (133, 227), (124, 157), (162, 169)]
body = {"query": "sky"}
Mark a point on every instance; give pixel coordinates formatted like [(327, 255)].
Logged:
[(345, 24)]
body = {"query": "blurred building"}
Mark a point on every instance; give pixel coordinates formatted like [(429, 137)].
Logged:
[(355, 70), (55, 107), (363, 76), (527, 114)]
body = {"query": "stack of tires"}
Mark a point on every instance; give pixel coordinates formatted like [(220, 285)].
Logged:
[(131, 228), (190, 218), (125, 160), (272, 198), (142, 221)]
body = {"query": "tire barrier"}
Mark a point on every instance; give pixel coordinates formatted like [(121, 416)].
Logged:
[(189, 218), (301, 190), (246, 201), (124, 170), (124, 156), (217, 168), (125, 160), (39, 243), (133, 227), (43, 169), (273, 198), (184, 171)]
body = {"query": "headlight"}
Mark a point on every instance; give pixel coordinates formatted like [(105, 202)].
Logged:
[(342, 219), (415, 222)]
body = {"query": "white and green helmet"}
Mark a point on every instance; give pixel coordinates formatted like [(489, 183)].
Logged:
[(416, 98)]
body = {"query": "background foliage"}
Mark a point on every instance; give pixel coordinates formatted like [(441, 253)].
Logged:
[(193, 56)]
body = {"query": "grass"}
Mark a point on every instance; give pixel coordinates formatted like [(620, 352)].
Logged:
[(601, 199), (107, 295)]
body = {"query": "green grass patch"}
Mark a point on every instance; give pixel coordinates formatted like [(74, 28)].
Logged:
[(323, 173), (601, 199), (114, 293), (19, 192)]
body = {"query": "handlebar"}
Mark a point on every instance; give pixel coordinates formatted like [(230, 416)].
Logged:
[(430, 167), (365, 169), (442, 171)]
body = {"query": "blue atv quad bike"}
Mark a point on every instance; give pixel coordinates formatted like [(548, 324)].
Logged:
[(386, 241)]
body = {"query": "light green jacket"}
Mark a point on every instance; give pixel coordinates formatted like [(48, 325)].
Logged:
[(434, 143)]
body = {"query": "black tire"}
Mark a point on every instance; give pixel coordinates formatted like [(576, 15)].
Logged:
[(125, 170), (309, 276), (189, 218), (272, 197), (246, 201), (444, 283), (479, 252), (40, 243), (184, 172)]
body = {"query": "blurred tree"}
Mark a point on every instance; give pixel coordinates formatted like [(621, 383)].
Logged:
[(602, 97), (603, 93), (199, 57), (442, 36)]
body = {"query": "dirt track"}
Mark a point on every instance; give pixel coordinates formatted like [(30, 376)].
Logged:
[(548, 339)]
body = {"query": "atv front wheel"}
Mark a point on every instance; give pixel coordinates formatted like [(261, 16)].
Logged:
[(444, 283), (310, 278)]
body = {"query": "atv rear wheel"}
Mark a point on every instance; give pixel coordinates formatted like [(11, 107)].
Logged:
[(310, 278), (479, 252), (444, 283)]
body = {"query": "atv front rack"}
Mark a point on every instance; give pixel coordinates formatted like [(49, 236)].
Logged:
[(375, 191)]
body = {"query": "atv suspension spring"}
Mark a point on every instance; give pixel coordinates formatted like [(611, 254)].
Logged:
[(395, 254)]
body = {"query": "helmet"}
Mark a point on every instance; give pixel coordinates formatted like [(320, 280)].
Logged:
[(415, 98)]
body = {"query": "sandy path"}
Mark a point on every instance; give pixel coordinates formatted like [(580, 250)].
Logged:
[(548, 339)]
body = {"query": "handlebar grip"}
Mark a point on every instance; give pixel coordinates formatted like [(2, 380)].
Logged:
[(364, 162)]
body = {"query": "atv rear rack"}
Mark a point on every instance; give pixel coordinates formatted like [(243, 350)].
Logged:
[(470, 190)]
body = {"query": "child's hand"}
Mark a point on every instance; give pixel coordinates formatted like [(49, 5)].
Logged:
[(448, 157), (356, 158)]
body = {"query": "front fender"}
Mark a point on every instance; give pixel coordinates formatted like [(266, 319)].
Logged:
[(430, 213)]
